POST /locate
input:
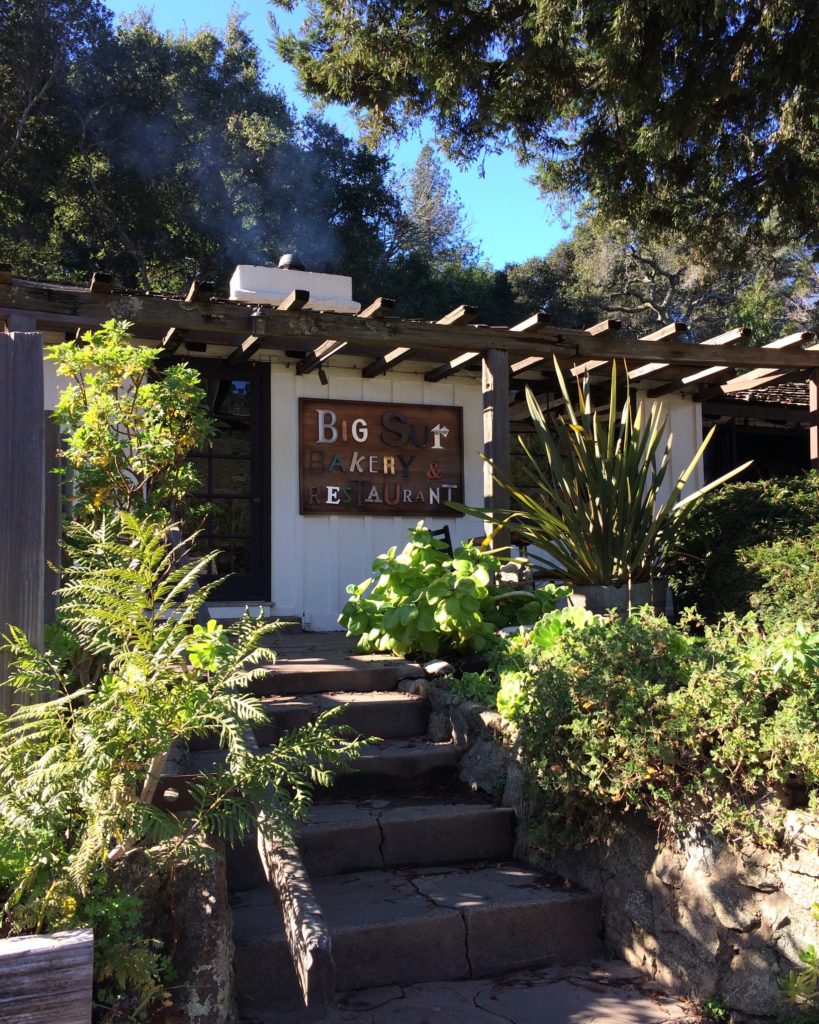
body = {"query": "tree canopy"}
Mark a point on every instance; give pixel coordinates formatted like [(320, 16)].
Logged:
[(700, 117)]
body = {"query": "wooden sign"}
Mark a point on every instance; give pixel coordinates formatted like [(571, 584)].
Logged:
[(376, 459)]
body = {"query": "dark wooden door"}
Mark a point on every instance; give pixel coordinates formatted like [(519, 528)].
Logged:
[(234, 474)]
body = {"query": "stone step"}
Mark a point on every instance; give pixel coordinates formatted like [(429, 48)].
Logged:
[(400, 926), (387, 715), (357, 674), (398, 765), (355, 836)]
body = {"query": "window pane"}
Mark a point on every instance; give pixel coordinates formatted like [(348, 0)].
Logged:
[(230, 476)]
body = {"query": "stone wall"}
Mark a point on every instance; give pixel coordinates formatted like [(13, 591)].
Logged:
[(708, 920)]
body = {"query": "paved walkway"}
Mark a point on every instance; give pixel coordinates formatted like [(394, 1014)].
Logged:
[(609, 993)]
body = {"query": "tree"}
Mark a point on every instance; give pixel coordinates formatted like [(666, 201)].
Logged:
[(176, 160), (434, 224), (700, 118), (38, 40), (130, 429), (608, 269)]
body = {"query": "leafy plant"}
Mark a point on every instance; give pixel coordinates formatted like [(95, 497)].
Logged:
[(130, 427), (592, 504), (477, 686), (78, 771), (424, 601)]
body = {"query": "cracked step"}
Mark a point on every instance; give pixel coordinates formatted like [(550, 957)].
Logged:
[(385, 714), (400, 926), (348, 836)]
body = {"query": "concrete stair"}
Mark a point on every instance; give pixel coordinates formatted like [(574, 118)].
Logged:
[(413, 875)]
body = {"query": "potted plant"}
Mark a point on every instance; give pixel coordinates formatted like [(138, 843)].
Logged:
[(591, 508)]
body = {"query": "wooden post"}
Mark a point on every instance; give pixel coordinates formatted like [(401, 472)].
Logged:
[(22, 473), (495, 387), (813, 430)]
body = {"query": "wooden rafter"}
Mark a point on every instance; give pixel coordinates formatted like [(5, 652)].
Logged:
[(248, 348), (320, 354), (695, 381), (172, 339), (759, 378), (386, 362), (54, 307), (381, 307), (731, 337), (200, 291), (595, 331), (460, 315), (316, 359), (102, 283), (454, 364), (465, 314), (669, 331)]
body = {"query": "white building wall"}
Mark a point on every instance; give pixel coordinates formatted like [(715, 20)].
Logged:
[(314, 558), (685, 428)]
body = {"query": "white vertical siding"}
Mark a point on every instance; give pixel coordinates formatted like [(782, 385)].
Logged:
[(315, 557)]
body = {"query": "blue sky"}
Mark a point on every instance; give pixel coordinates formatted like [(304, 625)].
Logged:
[(508, 218)]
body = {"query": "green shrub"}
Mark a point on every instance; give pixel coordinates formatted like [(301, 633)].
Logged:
[(711, 566), (638, 714), (424, 601), (786, 575)]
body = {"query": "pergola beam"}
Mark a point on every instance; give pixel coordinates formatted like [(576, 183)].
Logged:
[(447, 369), (297, 299), (102, 283), (326, 350), (460, 315), (380, 307), (386, 362), (55, 307)]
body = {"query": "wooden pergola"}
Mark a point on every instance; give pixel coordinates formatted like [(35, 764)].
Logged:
[(661, 363)]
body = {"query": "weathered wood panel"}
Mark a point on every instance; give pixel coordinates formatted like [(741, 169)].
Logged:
[(52, 515), (22, 475), (47, 978)]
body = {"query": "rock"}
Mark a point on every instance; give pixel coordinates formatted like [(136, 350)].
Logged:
[(438, 667), (750, 983), (483, 766), (735, 909), (439, 728), (803, 889), (510, 631)]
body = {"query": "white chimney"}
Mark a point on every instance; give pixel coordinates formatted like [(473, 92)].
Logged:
[(269, 286)]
